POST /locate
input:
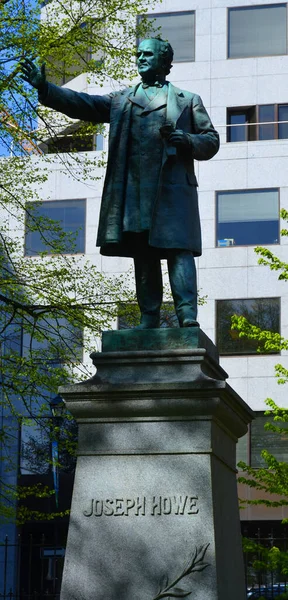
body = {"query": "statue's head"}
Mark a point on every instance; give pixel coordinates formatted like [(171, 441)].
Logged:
[(154, 58)]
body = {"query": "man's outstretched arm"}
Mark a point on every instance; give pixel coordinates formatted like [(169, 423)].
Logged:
[(73, 104)]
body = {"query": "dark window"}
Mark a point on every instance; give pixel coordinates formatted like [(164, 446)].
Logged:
[(11, 336), (274, 443), (63, 73), (53, 336), (56, 227), (179, 30), (257, 31), (35, 455), (45, 438), (240, 124), (237, 130), (74, 143), (282, 117), (247, 217), (258, 438), (242, 448), (261, 312), (261, 122), (78, 50), (129, 316), (266, 115)]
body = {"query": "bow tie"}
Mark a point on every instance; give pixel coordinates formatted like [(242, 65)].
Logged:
[(155, 84)]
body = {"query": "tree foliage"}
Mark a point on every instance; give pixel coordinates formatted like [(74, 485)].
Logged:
[(53, 306), (272, 479)]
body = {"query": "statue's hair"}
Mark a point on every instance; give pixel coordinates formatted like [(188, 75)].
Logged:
[(166, 53)]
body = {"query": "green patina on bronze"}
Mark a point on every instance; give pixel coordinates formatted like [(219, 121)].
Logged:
[(157, 339), (149, 207)]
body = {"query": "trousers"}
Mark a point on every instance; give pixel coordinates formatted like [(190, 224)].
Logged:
[(183, 283)]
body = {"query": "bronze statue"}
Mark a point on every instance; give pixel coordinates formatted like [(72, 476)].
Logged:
[(149, 208)]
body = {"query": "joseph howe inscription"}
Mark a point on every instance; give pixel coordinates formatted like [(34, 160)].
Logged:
[(143, 505)]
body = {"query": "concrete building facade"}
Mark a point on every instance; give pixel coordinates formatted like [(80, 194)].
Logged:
[(234, 54), (247, 172)]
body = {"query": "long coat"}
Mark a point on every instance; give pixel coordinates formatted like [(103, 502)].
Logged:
[(175, 216)]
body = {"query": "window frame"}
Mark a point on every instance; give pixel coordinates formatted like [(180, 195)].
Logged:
[(249, 125), (90, 137), (171, 14), (244, 190), (45, 202), (38, 348), (243, 354), (249, 447), (254, 6), (167, 308)]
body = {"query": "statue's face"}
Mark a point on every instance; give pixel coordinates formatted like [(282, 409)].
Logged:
[(148, 59)]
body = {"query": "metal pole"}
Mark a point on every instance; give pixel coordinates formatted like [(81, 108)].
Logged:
[(5, 566)]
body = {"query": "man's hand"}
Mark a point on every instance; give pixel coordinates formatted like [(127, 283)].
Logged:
[(179, 139), (33, 75)]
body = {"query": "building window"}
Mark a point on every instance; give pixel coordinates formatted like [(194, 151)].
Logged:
[(45, 334), (261, 312), (55, 337), (129, 316), (38, 438), (62, 73), (78, 52), (35, 455), (11, 334), (56, 227), (257, 438), (240, 124), (261, 438), (243, 448), (73, 143), (257, 31), (247, 217), (261, 122), (179, 29)]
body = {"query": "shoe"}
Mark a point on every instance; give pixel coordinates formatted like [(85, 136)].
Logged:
[(148, 322), (189, 323)]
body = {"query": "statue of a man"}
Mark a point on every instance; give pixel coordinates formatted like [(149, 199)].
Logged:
[(149, 208)]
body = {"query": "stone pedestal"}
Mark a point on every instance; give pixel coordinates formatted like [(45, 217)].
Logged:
[(155, 511)]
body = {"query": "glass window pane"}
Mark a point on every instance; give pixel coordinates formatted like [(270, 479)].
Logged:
[(261, 439), (66, 235), (283, 116), (257, 31), (247, 217), (129, 316), (99, 141), (242, 449), (237, 129), (71, 143), (55, 336), (243, 124), (267, 113), (179, 29), (262, 312), (11, 337), (35, 447)]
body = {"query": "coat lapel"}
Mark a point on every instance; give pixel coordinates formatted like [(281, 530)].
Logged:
[(176, 103), (175, 99)]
